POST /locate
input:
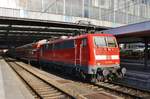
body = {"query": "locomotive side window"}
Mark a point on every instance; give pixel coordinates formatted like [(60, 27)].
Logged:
[(61, 45), (111, 42), (84, 42), (46, 46), (65, 44), (68, 44), (57, 46), (50, 47), (100, 41)]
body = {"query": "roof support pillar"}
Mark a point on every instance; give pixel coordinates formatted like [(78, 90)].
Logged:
[(146, 52), (6, 36)]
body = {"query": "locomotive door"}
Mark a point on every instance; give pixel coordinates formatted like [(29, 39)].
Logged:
[(81, 52), (84, 52), (78, 52)]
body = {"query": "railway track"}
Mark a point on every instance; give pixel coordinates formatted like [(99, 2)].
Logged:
[(124, 90), (41, 89)]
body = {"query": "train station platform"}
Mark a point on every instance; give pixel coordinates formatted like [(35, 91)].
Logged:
[(137, 74), (137, 79), (11, 87), (136, 66)]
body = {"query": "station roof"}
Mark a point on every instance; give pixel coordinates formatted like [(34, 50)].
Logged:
[(138, 29), (20, 31), (131, 33)]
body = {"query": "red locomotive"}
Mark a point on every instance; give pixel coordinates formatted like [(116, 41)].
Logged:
[(94, 56)]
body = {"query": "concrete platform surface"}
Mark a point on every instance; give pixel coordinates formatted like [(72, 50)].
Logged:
[(11, 87), (138, 79), (136, 67)]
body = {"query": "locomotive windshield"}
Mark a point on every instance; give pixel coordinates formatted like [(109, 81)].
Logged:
[(102, 41), (111, 42)]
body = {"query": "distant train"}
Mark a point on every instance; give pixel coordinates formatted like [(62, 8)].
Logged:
[(133, 51), (91, 56)]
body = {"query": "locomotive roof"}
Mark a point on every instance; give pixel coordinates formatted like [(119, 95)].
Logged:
[(76, 37)]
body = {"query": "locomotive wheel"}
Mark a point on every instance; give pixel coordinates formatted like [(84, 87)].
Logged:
[(83, 75), (76, 73), (99, 77), (73, 71), (93, 78), (120, 76), (113, 76)]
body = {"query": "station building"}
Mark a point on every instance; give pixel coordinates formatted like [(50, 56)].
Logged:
[(110, 13)]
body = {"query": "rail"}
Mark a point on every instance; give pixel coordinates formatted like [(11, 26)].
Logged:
[(124, 90)]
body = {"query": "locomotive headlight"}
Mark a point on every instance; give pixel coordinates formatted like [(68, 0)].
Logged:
[(123, 70), (98, 64), (105, 72)]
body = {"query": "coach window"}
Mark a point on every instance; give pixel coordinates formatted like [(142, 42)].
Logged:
[(50, 47), (54, 46), (84, 42), (47, 46), (71, 43), (44, 47), (61, 45), (57, 46)]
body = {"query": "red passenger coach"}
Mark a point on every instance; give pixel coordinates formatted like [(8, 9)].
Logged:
[(29, 51), (94, 56)]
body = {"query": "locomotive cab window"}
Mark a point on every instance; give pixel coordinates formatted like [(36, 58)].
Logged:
[(44, 47), (100, 41), (56, 46), (84, 42), (47, 46), (111, 42), (50, 47)]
